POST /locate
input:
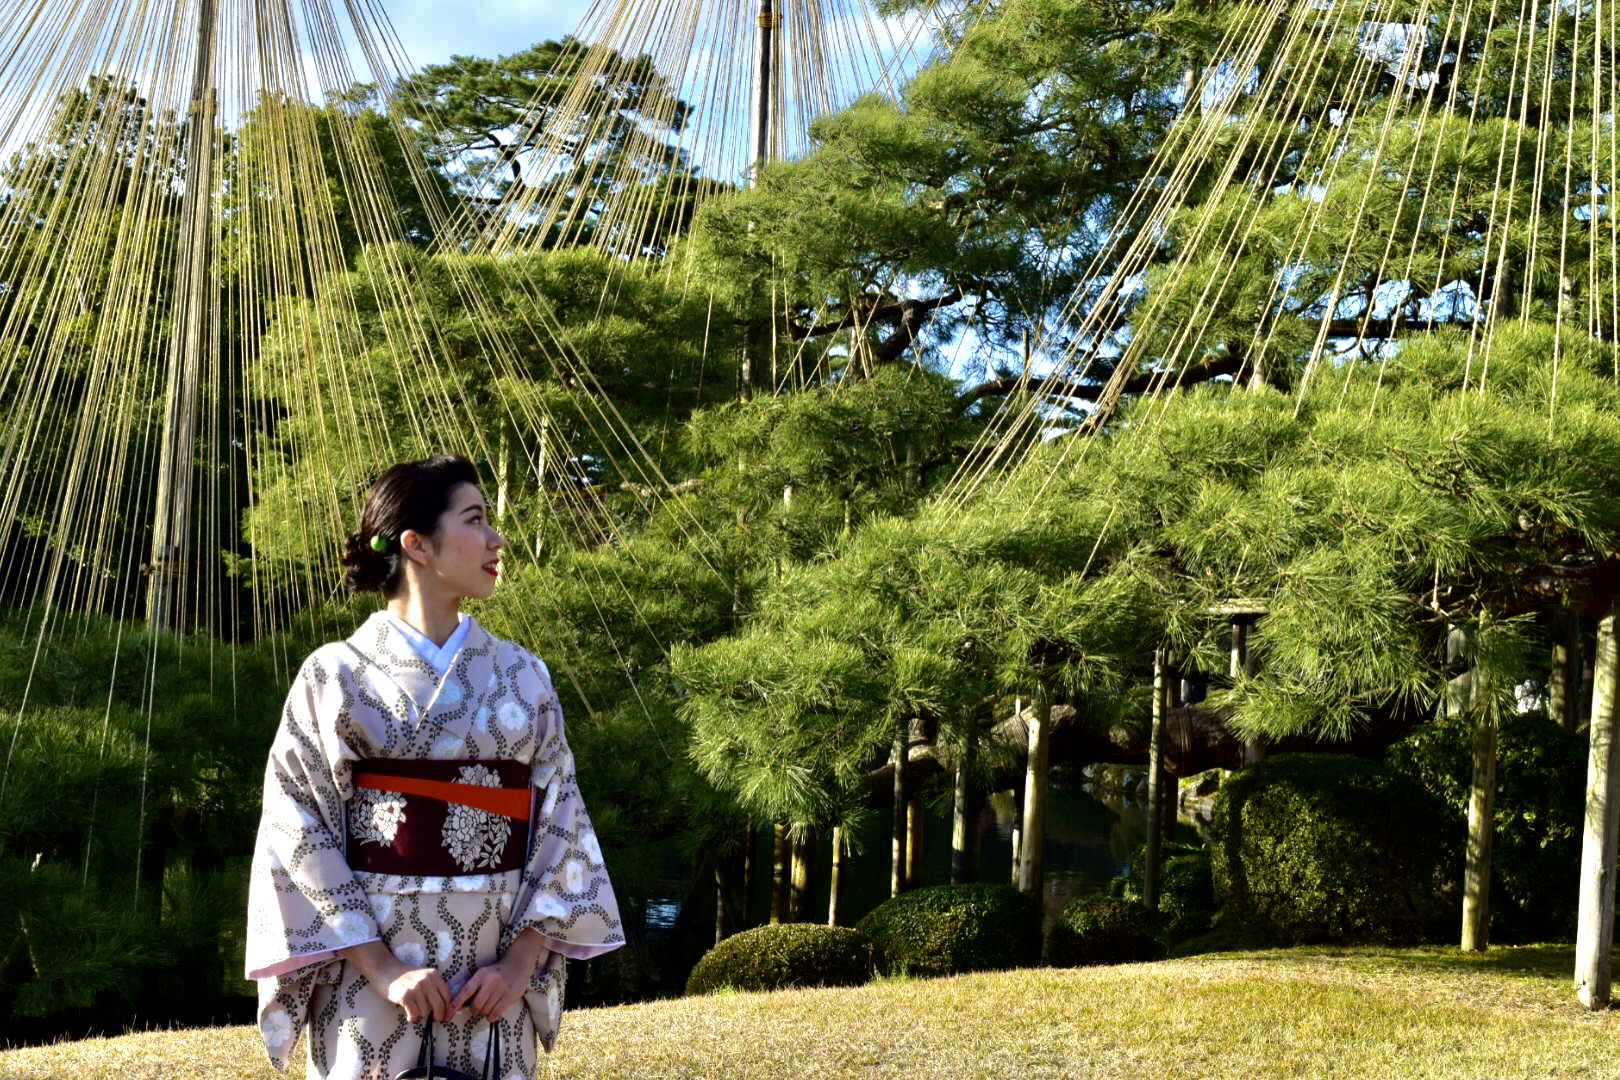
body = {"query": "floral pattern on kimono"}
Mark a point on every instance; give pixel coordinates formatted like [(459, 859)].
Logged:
[(372, 696)]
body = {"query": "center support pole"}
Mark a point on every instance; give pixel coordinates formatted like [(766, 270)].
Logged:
[(189, 341), (1594, 934)]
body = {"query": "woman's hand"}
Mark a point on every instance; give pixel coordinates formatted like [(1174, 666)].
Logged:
[(497, 987), (420, 991)]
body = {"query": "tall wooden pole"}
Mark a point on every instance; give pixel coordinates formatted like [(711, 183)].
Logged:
[(781, 862), (1464, 699), (188, 341), (1594, 934), (1243, 666), (914, 840), (1155, 799), (837, 874), (762, 124), (1032, 840), (962, 816)]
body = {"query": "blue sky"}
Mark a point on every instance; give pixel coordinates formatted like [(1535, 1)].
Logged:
[(432, 31)]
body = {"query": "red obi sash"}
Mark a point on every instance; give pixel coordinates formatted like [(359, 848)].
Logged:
[(438, 818)]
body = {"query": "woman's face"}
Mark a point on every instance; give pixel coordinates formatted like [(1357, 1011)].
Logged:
[(462, 557)]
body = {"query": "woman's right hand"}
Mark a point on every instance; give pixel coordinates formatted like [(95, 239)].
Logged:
[(420, 991)]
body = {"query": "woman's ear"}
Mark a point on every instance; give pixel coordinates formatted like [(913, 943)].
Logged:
[(415, 546)]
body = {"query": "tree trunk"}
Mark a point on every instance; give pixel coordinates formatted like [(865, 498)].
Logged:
[(914, 841), (782, 856), (1564, 680), (1156, 777), (902, 798), (1031, 862), (1594, 933), (722, 925), (837, 874), (962, 814), (1476, 915)]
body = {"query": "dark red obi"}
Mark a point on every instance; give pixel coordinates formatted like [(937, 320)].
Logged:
[(438, 818)]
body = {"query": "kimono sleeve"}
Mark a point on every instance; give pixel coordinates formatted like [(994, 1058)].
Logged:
[(564, 894), (303, 901)]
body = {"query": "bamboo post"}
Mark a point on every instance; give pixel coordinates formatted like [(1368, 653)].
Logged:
[(1155, 799), (1031, 861), (837, 874), (1594, 935)]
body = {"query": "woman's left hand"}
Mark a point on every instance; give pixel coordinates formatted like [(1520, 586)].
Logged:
[(495, 988)]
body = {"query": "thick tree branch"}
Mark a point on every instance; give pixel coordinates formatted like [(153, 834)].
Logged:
[(1138, 383), (892, 312)]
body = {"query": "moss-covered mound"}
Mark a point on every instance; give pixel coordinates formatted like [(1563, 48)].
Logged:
[(1102, 930), (791, 954), (948, 929), (1319, 847)]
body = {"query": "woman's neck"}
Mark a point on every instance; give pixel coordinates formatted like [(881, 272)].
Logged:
[(435, 618)]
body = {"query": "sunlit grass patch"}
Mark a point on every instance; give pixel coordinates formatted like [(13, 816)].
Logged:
[(1297, 1012)]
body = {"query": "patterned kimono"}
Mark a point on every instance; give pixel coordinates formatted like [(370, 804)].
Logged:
[(373, 697)]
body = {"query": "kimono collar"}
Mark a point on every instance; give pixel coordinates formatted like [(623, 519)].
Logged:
[(439, 657), (438, 709)]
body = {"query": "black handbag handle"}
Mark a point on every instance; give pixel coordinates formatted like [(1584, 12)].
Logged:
[(426, 1070)]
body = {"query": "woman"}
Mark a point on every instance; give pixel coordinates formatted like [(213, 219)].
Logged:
[(423, 850)]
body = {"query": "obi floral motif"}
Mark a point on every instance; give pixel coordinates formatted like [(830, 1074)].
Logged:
[(375, 816), (476, 838)]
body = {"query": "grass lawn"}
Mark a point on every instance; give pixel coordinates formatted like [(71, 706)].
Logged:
[(1298, 1012)]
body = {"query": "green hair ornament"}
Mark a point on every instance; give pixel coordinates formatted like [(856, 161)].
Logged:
[(379, 543)]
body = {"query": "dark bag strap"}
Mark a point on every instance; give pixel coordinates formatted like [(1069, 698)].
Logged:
[(426, 1070)]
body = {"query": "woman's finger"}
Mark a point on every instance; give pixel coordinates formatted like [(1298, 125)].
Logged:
[(467, 991)]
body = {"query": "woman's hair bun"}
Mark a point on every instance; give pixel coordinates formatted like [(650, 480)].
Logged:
[(366, 570), (410, 496)]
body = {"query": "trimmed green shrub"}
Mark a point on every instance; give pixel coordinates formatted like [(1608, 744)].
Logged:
[(1323, 847), (1539, 809), (790, 954), (1103, 930), (1186, 890), (947, 929)]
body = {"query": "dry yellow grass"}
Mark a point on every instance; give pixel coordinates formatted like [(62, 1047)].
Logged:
[(1300, 1012)]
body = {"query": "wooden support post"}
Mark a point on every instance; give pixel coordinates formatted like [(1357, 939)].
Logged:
[(1463, 699), (1594, 934), (799, 888), (782, 856), (962, 814), (1476, 914), (1031, 862), (902, 798), (1155, 799), (837, 874)]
